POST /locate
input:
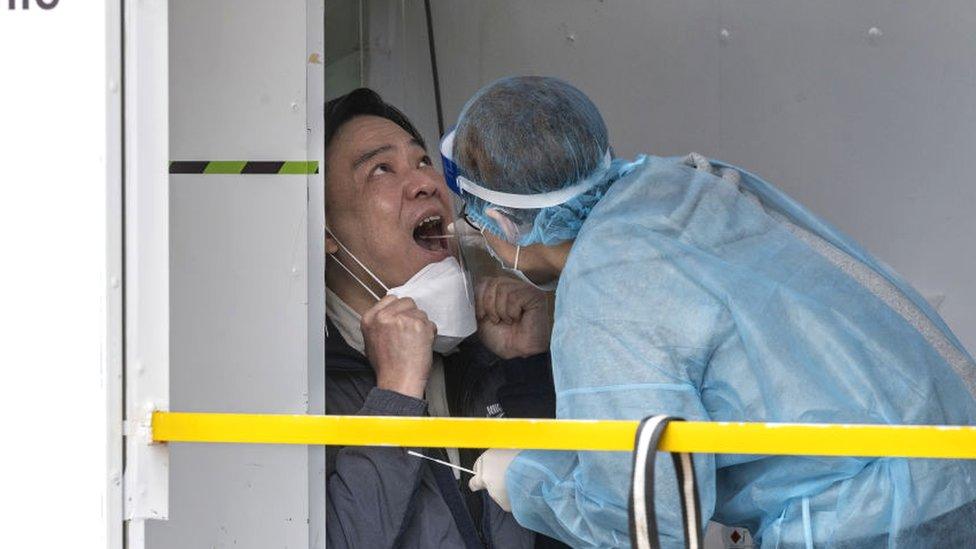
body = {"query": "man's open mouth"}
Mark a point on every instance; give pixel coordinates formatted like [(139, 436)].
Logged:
[(429, 234)]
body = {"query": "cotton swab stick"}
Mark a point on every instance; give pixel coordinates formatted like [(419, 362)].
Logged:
[(442, 462)]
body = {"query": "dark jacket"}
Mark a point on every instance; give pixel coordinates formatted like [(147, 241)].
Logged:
[(384, 497)]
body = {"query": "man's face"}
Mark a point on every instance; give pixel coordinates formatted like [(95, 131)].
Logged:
[(380, 188)]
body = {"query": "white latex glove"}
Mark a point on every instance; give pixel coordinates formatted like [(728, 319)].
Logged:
[(490, 469)]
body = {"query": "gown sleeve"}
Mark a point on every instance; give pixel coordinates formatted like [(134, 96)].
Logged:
[(611, 362)]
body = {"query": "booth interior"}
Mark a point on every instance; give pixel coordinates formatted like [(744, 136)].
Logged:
[(863, 111)]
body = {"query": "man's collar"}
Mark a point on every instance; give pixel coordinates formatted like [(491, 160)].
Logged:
[(345, 319), (339, 356)]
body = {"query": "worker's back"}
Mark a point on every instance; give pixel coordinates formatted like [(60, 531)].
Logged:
[(684, 294)]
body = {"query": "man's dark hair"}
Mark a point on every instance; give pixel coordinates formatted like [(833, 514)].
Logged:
[(360, 102)]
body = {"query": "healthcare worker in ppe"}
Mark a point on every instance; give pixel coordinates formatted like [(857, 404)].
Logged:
[(691, 288)]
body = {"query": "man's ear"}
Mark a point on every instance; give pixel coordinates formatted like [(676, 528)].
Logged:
[(504, 222), (331, 246)]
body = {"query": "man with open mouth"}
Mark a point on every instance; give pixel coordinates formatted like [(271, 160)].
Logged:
[(400, 308)]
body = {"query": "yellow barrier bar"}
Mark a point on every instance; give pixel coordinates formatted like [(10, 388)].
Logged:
[(685, 436)]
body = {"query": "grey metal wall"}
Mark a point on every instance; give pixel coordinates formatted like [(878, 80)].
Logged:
[(345, 35), (242, 308), (875, 130)]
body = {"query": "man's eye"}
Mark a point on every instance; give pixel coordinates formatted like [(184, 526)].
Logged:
[(380, 169), (425, 162)]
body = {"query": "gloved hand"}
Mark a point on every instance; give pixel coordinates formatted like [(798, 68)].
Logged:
[(490, 469)]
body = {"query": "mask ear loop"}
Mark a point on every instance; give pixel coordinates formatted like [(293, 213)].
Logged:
[(358, 262), (518, 247), (356, 278)]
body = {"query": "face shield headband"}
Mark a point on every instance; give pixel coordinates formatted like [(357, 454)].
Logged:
[(461, 185)]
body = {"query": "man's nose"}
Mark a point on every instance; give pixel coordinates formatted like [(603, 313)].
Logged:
[(421, 185)]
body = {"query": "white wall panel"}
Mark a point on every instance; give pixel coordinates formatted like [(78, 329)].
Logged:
[(239, 284), (238, 79), (238, 247), (398, 61)]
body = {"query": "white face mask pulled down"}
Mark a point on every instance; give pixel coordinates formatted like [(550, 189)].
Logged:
[(442, 290)]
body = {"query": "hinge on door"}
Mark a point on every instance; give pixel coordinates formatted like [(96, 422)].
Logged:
[(140, 428)]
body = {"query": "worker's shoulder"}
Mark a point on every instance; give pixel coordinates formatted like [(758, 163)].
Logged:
[(654, 199)]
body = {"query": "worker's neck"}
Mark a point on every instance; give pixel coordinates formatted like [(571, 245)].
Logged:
[(550, 260)]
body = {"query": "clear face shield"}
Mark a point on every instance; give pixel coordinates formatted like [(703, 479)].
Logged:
[(472, 231), (473, 245), (468, 234), (450, 235)]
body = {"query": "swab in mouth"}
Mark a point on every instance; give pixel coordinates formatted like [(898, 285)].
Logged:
[(427, 231)]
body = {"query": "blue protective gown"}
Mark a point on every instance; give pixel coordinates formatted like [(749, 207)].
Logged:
[(685, 295)]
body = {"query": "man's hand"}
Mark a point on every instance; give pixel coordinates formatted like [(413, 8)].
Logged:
[(513, 317), (399, 341)]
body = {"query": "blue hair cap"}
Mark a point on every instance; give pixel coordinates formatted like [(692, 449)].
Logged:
[(530, 135)]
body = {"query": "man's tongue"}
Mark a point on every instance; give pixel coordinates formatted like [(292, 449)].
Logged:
[(428, 236), (432, 244)]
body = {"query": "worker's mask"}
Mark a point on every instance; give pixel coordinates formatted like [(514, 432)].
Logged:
[(442, 290), (514, 270)]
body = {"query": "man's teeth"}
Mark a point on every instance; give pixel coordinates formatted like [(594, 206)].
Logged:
[(430, 219)]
